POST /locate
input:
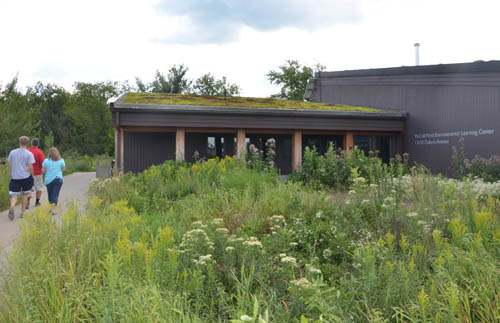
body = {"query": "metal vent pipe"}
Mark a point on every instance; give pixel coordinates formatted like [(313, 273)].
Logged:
[(417, 56)]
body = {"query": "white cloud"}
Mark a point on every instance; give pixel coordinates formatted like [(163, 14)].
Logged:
[(67, 41)]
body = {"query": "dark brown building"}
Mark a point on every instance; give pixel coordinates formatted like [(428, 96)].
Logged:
[(444, 103), (152, 128)]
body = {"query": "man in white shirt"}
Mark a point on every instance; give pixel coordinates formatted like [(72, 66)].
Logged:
[(21, 162)]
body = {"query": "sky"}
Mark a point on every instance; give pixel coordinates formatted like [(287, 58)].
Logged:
[(65, 41)]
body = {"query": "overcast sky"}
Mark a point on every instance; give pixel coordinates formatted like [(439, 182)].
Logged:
[(64, 41)]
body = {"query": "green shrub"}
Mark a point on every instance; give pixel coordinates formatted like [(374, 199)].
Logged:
[(333, 169), (485, 168), (219, 241), (78, 163)]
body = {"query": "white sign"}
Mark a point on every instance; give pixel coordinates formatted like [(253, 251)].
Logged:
[(441, 138)]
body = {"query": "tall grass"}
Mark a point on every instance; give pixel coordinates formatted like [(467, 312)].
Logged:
[(4, 187), (218, 242)]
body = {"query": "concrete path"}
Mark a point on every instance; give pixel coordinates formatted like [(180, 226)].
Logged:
[(74, 189)]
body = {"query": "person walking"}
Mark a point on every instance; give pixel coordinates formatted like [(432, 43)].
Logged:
[(53, 168), (37, 170), (21, 175)]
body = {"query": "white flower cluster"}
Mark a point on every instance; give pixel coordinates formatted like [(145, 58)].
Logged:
[(204, 260), (198, 225), (327, 253), (222, 230), (277, 222), (236, 239), (218, 222), (478, 186), (253, 242), (481, 188), (359, 180), (191, 238), (288, 259), (388, 202), (303, 282), (313, 270)]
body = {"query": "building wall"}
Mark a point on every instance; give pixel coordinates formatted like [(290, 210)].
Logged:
[(143, 149), (441, 108)]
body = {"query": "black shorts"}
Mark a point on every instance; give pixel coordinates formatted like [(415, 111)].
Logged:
[(17, 185)]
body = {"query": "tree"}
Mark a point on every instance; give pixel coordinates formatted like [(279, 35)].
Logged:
[(17, 117), (174, 82), (141, 86), (208, 85), (177, 79), (292, 77), (50, 100), (92, 130)]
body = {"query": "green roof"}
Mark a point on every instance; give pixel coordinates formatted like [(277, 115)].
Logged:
[(236, 101)]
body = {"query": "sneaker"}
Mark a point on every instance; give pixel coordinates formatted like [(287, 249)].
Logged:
[(11, 213), (37, 204)]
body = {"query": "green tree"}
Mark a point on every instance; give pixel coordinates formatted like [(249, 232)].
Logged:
[(92, 130), (141, 86), (17, 117), (174, 82), (208, 85), (50, 100), (292, 77)]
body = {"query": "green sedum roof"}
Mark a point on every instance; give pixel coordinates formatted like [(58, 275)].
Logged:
[(236, 101)]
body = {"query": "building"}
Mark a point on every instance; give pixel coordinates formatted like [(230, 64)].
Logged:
[(443, 104), (151, 128)]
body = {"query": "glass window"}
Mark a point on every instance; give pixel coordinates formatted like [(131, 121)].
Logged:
[(363, 143)]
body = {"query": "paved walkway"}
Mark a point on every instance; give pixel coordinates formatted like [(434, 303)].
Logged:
[(74, 189)]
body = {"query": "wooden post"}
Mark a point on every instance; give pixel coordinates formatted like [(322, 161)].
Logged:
[(116, 148), (349, 141), (122, 162), (240, 143), (180, 144), (296, 150)]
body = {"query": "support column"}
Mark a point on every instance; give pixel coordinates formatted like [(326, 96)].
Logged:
[(349, 141), (296, 150), (116, 148), (240, 143), (122, 162), (180, 144)]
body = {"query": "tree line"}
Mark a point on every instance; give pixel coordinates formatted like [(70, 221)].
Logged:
[(78, 121)]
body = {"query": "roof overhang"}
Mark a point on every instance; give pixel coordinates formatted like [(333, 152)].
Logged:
[(158, 115)]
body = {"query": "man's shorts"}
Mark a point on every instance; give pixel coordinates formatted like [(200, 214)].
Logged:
[(38, 183), (17, 185)]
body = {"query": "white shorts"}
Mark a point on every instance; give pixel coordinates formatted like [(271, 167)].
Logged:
[(38, 183)]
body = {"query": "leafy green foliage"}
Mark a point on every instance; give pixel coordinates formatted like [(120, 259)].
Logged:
[(486, 168), (91, 130), (174, 82), (18, 117), (219, 241), (208, 85), (335, 168), (76, 122), (292, 77)]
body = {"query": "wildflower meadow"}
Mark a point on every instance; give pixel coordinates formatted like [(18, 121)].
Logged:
[(225, 241)]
